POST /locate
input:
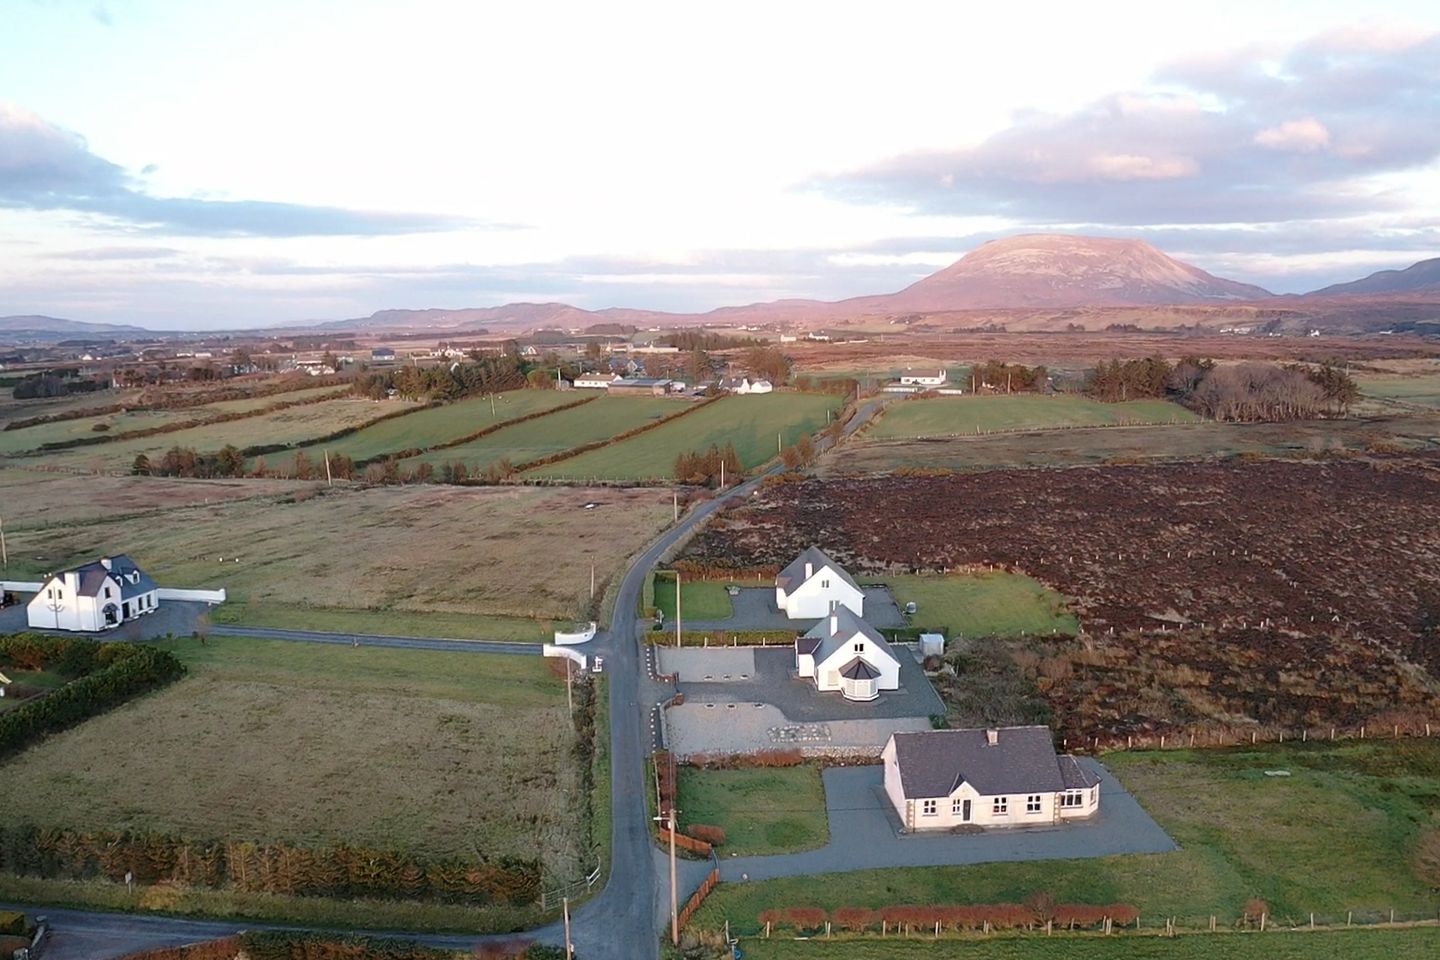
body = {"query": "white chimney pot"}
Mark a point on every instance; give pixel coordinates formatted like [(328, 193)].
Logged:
[(992, 737)]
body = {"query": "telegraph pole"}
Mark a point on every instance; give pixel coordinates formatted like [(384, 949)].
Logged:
[(569, 695), (592, 580), (4, 554), (674, 892), (569, 947), (675, 506), (677, 608), (329, 480)]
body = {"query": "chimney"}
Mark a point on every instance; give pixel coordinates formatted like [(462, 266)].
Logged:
[(105, 562), (992, 737), (809, 569), (834, 623)]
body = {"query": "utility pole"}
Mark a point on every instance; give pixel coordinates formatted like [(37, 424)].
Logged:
[(722, 473), (677, 608), (329, 480), (4, 554), (675, 505), (674, 892), (592, 580), (569, 694), (492, 406), (779, 447), (569, 947)]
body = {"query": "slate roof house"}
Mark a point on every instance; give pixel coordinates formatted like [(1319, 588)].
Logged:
[(844, 653), (1005, 777), (813, 585), (94, 596)]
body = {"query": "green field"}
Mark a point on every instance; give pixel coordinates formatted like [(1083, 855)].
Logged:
[(1336, 835), (295, 425), (425, 428), (949, 416), (699, 599), (983, 604), (563, 430), (762, 811), (751, 423), (1420, 390), (1405, 943), (31, 438)]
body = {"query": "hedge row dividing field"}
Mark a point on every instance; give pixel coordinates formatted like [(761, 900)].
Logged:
[(752, 423), (563, 430), (950, 416)]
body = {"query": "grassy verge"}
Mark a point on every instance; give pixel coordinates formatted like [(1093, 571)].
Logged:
[(405, 623), (763, 811), (1405, 943), (949, 416), (983, 604), (1337, 835), (699, 599)]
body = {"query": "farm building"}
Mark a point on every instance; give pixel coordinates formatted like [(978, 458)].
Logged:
[(594, 381), (844, 653), (382, 353), (640, 386), (813, 585), (1005, 777), (909, 379), (94, 596)]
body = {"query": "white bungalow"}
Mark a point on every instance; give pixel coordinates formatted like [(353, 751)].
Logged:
[(908, 379), (761, 386), (813, 585), (594, 381), (844, 653), (95, 596), (1005, 777)]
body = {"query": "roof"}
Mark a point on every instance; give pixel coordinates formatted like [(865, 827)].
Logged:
[(806, 644), (1075, 776), (641, 382), (847, 626), (91, 577), (933, 763), (858, 669), (794, 574)]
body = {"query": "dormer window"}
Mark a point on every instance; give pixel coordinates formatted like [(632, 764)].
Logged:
[(859, 648)]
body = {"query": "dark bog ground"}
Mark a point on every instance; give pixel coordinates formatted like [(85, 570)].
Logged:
[(1279, 592)]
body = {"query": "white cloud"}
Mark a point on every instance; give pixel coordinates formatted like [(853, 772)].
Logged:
[(1299, 135)]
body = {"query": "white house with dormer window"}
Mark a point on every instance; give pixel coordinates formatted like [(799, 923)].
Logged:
[(813, 585), (95, 596), (844, 653), (927, 379), (1000, 777)]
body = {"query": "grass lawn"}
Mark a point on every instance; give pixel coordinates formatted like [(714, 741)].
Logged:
[(1423, 390), (1334, 836), (946, 416), (425, 428), (399, 623), (295, 425), (316, 744), (983, 604), (563, 430), (525, 552), (699, 599), (763, 811), (1408, 943), (750, 423)]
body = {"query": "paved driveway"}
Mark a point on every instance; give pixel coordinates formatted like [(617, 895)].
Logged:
[(708, 725), (864, 834), (171, 617)]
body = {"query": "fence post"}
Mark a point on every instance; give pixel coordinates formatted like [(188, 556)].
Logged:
[(1212, 923)]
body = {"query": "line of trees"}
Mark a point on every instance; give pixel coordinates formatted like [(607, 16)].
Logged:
[(703, 468), (1008, 377), (1239, 392), (478, 376)]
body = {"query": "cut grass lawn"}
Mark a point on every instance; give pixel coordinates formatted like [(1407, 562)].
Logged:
[(437, 754), (1194, 441), (425, 428), (1405, 943), (983, 604), (699, 599), (398, 623), (763, 811), (522, 553), (751, 423), (1334, 836), (294, 426), (560, 431), (949, 416)]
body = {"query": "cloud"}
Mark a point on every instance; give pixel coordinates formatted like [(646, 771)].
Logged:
[(43, 167), (1259, 135), (115, 253)]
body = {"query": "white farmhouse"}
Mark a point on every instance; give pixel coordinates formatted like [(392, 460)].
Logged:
[(1005, 777), (95, 596), (594, 381), (908, 379), (844, 653), (813, 585), (761, 386)]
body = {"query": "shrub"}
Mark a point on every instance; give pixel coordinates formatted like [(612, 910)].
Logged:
[(709, 833), (804, 918), (855, 919)]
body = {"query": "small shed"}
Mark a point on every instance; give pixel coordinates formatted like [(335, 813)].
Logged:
[(932, 644)]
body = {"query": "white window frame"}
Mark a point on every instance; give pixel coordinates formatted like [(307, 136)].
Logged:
[(1071, 799), (929, 808), (957, 807), (1000, 807), (1034, 803)]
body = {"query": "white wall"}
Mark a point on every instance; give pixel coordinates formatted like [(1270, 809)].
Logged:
[(198, 596), (889, 678), (811, 600)]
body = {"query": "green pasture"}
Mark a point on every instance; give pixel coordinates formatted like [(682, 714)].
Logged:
[(948, 416)]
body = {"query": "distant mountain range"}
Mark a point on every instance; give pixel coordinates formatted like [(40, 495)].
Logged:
[(1041, 279), (34, 327)]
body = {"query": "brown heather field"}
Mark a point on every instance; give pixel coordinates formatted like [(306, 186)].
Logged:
[(1276, 592)]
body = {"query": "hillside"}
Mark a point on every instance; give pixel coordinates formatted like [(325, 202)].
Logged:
[(1422, 277), (37, 325)]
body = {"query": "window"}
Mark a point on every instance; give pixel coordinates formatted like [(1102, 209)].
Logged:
[(1001, 807), (1072, 798), (928, 807), (859, 648), (1032, 803), (107, 592), (824, 584), (957, 806)]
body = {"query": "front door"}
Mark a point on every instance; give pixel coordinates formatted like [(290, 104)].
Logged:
[(965, 812)]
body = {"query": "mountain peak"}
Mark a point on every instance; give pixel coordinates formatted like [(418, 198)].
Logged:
[(1416, 278), (1065, 270)]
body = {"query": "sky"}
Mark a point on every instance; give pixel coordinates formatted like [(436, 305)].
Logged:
[(182, 165)]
